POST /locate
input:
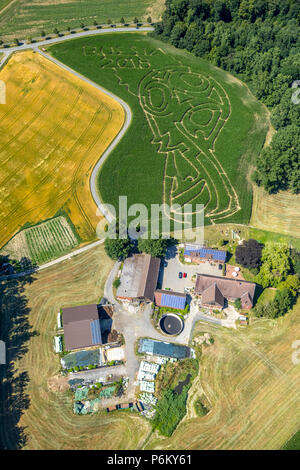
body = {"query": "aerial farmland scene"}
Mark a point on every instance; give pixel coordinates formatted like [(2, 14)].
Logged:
[(150, 227)]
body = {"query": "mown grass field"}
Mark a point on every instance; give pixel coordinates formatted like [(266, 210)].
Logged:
[(195, 131), (29, 17), (277, 212), (43, 242), (54, 128), (47, 414)]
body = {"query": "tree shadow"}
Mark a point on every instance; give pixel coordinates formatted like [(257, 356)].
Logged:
[(15, 331)]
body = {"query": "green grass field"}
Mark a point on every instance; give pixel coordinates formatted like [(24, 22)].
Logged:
[(28, 18), (196, 130)]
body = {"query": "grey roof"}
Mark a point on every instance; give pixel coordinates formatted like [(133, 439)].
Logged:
[(139, 277)]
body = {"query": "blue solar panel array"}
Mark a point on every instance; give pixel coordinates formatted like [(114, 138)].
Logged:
[(218, 255), (96, 332), (172, 301), (159, 348)]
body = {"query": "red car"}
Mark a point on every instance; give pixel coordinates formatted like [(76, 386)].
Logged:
[(184, 274)]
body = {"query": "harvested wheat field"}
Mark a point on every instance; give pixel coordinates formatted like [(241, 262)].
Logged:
[(54, 128), (39, 413), (276, 212), (252, 386)]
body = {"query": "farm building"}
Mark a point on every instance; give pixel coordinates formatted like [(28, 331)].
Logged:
[(200, 254), (159, 348), (146, 386), (166, 298), (82, 325), (139, 278), (58, 344), (215, 290)]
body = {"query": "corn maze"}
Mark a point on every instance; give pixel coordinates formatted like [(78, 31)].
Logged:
[(186, 112)]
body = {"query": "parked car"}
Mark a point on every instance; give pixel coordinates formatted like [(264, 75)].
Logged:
[(184, 274), (180, 275)]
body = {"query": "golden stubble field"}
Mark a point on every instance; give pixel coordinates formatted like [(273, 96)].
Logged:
[(54, 128), (247, 376)]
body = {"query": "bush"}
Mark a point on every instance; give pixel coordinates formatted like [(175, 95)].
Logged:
[(117, 282), (200, 409)]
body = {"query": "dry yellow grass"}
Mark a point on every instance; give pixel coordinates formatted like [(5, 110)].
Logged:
[(276, 212), (54, 128), (252, 385), (49, 421)]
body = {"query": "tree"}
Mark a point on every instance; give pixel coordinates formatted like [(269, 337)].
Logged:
[(248, 254), (238, 304), (117, 282), (82, 25), (149, 20), (16, 41), (278, 166), (276, 264), (292, 284), (118, 249), (122, 21), (109, 21), (95, 23), (153, 247), (43, 34), (135, 20)]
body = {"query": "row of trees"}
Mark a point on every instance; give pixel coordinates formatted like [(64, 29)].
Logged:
[(120, 249), (259, 41)]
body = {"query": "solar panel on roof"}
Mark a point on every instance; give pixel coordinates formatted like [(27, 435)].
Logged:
[(96, 332), (172, 301)]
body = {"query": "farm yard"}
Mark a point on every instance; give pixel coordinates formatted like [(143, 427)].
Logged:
[(201, 127), (28, 18), (54, 128), (43, 242)]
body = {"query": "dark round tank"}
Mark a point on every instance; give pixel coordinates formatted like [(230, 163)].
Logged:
[(171, 324)]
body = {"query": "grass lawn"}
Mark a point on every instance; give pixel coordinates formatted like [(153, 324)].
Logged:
[(195, 131), (33, 414), (24, 18)]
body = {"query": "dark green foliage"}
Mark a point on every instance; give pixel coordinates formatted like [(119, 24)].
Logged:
[(237, 303), (260, 41), (248, 254), (138, 167), (170, 411), (282, 303), (279, 164), (276, 264)]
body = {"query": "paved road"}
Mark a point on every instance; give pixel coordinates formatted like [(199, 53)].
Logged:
[(104, 156)]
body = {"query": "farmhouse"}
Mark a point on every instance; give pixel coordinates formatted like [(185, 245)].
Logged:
[(82, 327), (215, 290), (200, 254), (166, 298), (139, 278)]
